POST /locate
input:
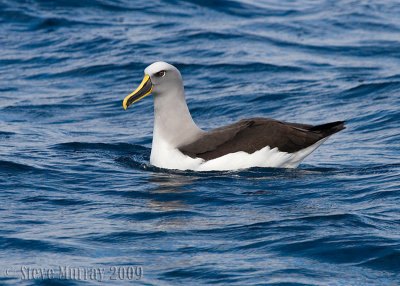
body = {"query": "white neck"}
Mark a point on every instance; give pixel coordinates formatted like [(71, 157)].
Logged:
[(172, 120)]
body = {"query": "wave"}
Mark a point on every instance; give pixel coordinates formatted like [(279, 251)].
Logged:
[(76, 181), (9, 166), (365, 89), (86, 146), (33, 245)]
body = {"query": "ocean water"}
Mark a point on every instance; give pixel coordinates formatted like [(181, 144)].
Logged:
[(79, 202)]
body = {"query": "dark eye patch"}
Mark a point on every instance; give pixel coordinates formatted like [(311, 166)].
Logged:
[(161, 73)]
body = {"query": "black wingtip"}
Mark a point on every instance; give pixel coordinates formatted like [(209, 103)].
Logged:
[(329, 128)]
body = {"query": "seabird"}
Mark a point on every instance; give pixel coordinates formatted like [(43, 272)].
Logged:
[(178, 143)]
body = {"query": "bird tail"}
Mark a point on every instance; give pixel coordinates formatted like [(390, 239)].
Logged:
[(328, 129)]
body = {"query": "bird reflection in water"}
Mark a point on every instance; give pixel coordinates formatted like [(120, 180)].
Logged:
[(169, 194)]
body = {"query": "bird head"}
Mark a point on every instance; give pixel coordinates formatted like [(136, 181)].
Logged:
[(159, 77)]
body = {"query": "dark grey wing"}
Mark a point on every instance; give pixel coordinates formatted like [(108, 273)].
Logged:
[(250, 135), (212, 139)]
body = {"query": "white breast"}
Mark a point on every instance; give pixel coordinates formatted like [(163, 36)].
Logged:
[(163, 155)]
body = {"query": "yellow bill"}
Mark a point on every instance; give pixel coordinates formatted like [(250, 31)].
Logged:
[(143, 90)]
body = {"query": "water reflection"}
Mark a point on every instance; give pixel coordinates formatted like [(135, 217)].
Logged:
[(171, 182), (171, 193)]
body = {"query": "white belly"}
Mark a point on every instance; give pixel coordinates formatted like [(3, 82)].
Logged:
[(164, 155)]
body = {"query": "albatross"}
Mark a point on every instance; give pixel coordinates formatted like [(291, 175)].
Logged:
[(178, 143)]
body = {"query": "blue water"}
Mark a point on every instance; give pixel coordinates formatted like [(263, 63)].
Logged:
[(76, 186)]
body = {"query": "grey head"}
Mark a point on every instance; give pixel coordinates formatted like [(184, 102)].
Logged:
[(172, 119), (160, 78)]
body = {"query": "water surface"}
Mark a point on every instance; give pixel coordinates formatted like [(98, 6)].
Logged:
[(76, 186)]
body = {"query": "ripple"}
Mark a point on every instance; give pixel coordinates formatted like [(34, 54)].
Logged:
[(9, 166), (87, 146), (368, 88), (77, 187), (6, 134), (50, 23), (32, 245), (143, 216), (128, 236), (385, 261)]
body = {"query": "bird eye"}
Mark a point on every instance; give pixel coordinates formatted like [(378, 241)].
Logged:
[(161, 73)]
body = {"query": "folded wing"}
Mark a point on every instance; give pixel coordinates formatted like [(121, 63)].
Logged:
[(250, 135)]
